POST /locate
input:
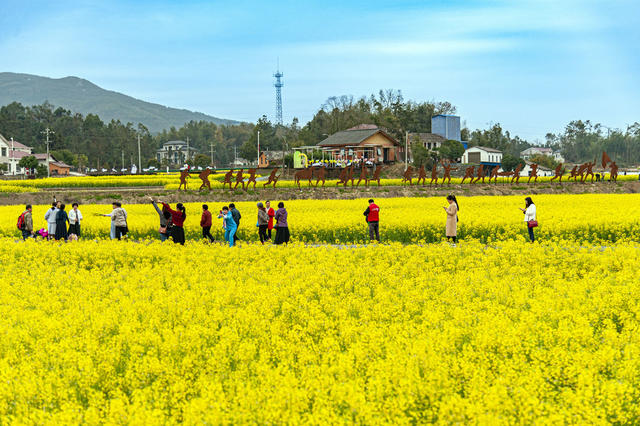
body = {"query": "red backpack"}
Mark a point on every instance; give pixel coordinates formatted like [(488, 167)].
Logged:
[(21, 223)]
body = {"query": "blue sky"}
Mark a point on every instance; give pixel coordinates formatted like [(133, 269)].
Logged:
[(530, 65)]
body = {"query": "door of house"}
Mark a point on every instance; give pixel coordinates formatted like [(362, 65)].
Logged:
[(385, 155), (474, 157)]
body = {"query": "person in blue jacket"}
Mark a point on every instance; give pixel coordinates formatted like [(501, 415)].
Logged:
[(228, 224)]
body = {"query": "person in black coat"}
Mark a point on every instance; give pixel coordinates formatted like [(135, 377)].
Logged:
[(62, 219)]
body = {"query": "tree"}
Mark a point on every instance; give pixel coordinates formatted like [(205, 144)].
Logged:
[(419, 153), (64, 155), (544, 160), (41, 170), (451, 150), (201, 160), (29, 162), (4, 167), (509, 162), (249, 151)]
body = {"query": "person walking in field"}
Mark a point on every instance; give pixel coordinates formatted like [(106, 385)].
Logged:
[(205, 223), (50, 217), (112, 230), (452, 218), (530, 216), (178, 217), (282, 225), (236, 218), (75, 217), (165, 221), (372, 214), (263, 223), (27, 223), (229, 225), (271, 213)]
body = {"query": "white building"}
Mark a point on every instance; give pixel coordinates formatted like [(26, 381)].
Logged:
[(482, 155), (541, 150), (175, 152), (10, 154)]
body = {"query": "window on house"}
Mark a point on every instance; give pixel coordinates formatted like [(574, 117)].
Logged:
[(4, 152)]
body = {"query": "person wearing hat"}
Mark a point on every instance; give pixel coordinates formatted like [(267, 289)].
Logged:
[(263, 223)]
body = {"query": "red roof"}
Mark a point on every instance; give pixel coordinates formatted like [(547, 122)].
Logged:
[(18, 154), (17, 144)]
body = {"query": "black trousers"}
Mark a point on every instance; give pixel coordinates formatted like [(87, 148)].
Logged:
[(206, 233), (262, 232), (74, 229), (269, 231), (177, 233), (531, 236), (121, 231)]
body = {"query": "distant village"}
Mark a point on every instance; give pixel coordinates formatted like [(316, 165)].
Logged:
[(365, 143)]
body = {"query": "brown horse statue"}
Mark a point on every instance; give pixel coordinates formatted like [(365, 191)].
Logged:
[(376, 175), (422, 175), (321, 176), (304, 174), (363, 176)]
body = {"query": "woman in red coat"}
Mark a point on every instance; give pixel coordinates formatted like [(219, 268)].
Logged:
[(177, 219)]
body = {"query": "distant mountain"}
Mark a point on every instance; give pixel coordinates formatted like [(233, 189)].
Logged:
[(82, 96)]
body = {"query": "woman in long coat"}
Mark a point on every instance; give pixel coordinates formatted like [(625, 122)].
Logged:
[(452, 218), (61, 223)]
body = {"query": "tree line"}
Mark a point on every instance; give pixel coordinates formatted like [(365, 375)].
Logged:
[(87, 141)]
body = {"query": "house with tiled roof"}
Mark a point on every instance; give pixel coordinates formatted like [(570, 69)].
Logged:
[(365, 141), (10, 154)]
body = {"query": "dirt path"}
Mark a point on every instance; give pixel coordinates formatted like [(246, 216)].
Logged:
[(138, 194)]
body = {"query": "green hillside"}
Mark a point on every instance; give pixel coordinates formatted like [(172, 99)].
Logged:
[(82, 96)]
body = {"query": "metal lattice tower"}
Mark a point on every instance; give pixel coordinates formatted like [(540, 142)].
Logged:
[(278, 85)]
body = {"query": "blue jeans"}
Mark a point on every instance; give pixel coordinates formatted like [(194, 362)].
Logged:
[(26, 234), (164, 237), (531, 237), (229, 234)]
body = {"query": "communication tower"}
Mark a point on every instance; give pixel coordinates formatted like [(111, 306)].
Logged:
[(278, 85)]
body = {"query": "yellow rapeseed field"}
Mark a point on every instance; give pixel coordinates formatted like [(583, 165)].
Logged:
[(589, 218), (145, 333)]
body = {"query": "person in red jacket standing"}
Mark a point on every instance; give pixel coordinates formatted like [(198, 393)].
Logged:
[(372, 214), (178, 217), (205, 223), (271, 213)]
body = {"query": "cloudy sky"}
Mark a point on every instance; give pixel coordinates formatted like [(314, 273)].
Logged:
[(530, 65)]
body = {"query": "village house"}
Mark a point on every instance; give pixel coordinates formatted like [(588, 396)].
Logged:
[(366, 142), (482, 155)]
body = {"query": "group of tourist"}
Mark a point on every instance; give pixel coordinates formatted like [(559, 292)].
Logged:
[(63, 226), (172, 222), (60, 224)]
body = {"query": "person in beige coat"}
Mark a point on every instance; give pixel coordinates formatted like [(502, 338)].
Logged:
[(452, 218)]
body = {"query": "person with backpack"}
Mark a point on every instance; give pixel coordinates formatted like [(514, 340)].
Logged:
[(25, 223), (372, 215), (236, 218), (74, 220), (178, 217), (61, 223), (206, 222)]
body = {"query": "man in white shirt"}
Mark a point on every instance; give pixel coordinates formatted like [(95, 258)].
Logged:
[(74, 220)]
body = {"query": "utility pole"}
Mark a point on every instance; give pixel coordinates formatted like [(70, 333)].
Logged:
[(46, 132), (187, 150), (258, 148), (211, 143), (123, 158), (284, 142), (139, 156)]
